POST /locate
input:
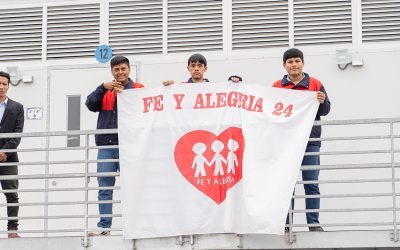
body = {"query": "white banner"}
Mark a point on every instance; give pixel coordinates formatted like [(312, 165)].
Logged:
[(211, 157)]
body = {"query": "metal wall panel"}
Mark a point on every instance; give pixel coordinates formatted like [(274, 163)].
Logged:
[(194, 25), (21, 34), (135, 27), (322, 22), (259, 24), (380, 20), (72, 30)]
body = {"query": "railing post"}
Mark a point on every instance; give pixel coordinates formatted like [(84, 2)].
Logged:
[(46, 187), (291, 237), (395, 237), (87, 180)]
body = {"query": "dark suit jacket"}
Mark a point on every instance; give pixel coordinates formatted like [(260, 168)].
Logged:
[(12, 122)]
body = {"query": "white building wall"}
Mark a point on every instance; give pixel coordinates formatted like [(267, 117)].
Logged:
[(368, 91)]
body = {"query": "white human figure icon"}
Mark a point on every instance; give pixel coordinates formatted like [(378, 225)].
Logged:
[(217, 146), (231, 159), (199, 160)]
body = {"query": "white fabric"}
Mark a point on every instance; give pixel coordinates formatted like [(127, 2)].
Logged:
[(168, 187)]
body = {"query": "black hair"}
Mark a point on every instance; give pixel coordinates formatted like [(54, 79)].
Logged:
[(6, 75), (197, 58), (293, 53), (118, 60)]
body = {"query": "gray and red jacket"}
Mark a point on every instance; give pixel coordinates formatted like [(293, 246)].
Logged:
[(309, 84), (104, 101)]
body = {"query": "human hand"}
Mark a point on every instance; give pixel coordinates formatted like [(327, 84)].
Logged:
[(321, 97), (168, 82), (118, 87), (3, 157), (235, 79), (108, 85), (114, 86)]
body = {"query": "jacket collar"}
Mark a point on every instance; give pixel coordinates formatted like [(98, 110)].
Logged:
[(305, 81), (191, 80), (129, 85), (5, 101)]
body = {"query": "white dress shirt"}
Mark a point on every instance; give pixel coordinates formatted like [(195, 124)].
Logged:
[(3, 106)]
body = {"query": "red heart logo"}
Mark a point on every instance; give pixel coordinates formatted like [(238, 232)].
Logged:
[(212, 164)]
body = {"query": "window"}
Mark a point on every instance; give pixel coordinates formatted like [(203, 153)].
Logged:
[(73, 119)]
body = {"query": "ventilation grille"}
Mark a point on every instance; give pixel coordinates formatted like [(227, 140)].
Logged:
[(380, 20), (322, 22), (194, 25), (135, 27), (73, 30), (259, 24), (21, 34)]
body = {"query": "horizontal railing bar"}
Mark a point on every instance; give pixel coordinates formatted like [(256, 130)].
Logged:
[(371, 195), (103, 174), (348, 166), (31, 204), (42, 163), (58, 189), (361, 224), (347, 181), (51, 149), (334, 210), (45, 231), (358, 121), (116, 174), (27, 150), (381, 151), (115, 131), (58, 176), (118, 188), (60, 230), (345, 138), (60, 217), (303, 167), (60, 133)]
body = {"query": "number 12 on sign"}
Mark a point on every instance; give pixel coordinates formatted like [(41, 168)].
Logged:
[(103, 53)]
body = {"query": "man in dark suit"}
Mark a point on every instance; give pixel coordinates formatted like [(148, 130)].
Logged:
[(11, 121)]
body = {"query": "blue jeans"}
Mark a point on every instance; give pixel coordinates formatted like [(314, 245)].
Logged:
[(310, 189), (109, 181)]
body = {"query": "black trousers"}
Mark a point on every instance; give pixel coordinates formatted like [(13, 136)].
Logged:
[(12, 211)]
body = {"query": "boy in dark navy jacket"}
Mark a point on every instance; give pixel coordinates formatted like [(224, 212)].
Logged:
[(293, 62), (104, 100)]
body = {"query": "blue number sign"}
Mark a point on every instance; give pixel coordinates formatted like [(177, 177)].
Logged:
[(103, 53)]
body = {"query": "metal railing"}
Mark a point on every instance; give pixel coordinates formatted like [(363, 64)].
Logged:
[(370, 160)]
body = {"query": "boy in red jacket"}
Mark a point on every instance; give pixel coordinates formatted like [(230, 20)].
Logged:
[(293, 62), (104, 100)]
